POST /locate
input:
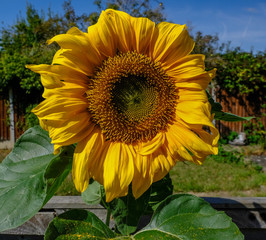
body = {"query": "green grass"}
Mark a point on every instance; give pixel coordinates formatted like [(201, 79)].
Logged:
[(218, 178), (213, 178), (3, 154)]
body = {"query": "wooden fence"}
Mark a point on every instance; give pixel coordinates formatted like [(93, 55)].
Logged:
[(248, 213), (5, 121), (4, 124), (241, 106)]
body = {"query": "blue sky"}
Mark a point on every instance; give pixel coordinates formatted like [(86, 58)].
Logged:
[(243, 22)]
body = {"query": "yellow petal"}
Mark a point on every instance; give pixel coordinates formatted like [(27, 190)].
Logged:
[(191, 141), (175, 148), (72, 131), (78, 49), (118, 170), (185, 94), (62, 80), (143, 176), (186, 67), (102, 36), (68, 90), (61, 72), (86, 159), (157, 163), (173, 42), (195, 112), (149, 147), (145, 35), (161, 164), (122, 28), (57, 108), (198, 82)]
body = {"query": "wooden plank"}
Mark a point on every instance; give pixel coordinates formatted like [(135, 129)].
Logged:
[(247, 212), (237, 202), (69, 202)]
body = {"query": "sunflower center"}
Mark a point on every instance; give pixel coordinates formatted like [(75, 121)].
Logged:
[(131, 98)]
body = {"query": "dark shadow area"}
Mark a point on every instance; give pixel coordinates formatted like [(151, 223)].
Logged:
[(249, 214)]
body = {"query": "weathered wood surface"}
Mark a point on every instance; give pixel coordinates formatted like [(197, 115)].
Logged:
[(247, 212)]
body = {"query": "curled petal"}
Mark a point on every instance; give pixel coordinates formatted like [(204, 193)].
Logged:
[(143, 177), (173, 42), (199, 113), (122, 28), (58, 108), (72, 131), (186, 67), (78, 49), (102, 37), (86, 160), (149, 147), (145, 35)]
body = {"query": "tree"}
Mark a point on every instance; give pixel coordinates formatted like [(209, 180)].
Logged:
[(25, 43), (243, 74), (136, 8)]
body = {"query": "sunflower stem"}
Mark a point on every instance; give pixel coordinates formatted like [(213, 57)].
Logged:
[(108, 216)]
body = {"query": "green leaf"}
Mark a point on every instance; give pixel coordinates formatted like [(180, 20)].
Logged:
[(29, 176), (127, 211), (186, 217), (92, 195), (78, 224), (230, 117), (216, 108), (158, 192), (57, 170)]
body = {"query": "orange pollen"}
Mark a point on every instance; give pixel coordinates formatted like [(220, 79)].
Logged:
[(131, 98)]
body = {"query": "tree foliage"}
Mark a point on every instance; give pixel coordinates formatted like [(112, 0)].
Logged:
[(25, 43), (242, 72), (239, 74), (136, 8)]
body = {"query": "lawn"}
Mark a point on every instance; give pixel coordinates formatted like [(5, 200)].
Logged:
[(213, 178), (219, 179), (210, 179)]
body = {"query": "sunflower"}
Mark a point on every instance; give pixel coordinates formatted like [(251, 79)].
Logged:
[(132, 97)]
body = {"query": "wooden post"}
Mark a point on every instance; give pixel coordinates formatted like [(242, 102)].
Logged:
[(12, 117)]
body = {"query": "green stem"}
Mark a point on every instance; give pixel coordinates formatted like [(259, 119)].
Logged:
[(108, 216)]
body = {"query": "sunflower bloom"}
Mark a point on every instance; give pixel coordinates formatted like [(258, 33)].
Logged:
[(132, 97)]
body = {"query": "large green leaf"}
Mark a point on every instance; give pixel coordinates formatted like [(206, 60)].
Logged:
[(78, 224), (29, 176), (188, 217), (179, 217)]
